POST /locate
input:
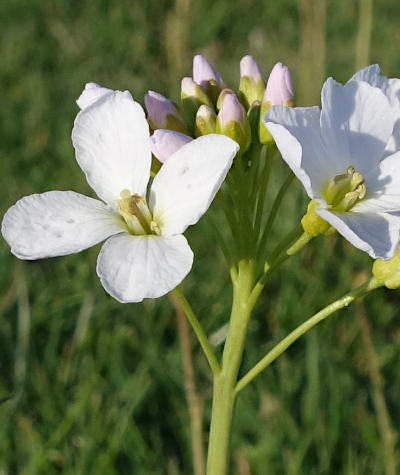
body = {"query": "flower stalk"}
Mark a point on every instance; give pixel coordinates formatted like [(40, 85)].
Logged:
[(283, 345), (197, 328)]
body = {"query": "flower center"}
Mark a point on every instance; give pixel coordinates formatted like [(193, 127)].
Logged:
[(345, 190), (136, 213)]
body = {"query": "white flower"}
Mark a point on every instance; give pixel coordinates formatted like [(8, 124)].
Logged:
[(145, 255), (340, 154)]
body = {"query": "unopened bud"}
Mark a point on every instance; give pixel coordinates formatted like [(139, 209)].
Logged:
[(207, 77), (313, 224), (279, 92), (163, 113), (233, 122), (165, 143), (221, 97), (192, 96), (205, 121), (388, 271), (251, 86)]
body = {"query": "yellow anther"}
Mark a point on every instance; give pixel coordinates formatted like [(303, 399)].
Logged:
[(134, 210), (345, 190), (155, 228)]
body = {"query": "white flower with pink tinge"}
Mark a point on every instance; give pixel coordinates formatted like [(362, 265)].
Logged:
[(145, 254), (346, 157)]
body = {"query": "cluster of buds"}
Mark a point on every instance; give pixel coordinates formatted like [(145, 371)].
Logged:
[(208, 106)]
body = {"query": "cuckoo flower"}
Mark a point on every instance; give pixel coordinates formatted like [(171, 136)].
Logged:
[(145, 254), (339, 155)]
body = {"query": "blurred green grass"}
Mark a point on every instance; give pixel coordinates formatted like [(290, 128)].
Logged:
[(97, 386)]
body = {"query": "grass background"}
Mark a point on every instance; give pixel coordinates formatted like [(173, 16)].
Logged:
[(98, 386)]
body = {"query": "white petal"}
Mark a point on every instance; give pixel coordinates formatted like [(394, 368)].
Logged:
[(112, 144), (132, 268), (391, 88), (371, 75), (383, 187), (91, 94), (356, 123), (376, 234), (57, 223), (185, 186), (296, 132), (392, 91)]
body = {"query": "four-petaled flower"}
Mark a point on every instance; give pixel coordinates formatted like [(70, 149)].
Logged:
[(145, 254), (345, 156)]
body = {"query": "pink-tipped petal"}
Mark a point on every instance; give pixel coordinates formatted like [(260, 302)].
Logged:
[(158, 107), (166, 142)]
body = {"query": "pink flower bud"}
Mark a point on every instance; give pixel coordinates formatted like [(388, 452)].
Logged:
[(166, 142), (249, 68), (92, 93), (161, 111), (231, 110), (204, 72), (279, 90), (205, 120), (190, 89), (233, 122)]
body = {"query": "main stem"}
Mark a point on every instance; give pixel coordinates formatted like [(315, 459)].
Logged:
[(225, 380)]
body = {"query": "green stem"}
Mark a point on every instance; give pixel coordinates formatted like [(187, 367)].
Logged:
[(231, 218), (241, 203), (228, 210), (221, 241), (269, 269), (197, 328), (256, 174), (293, 235), (265, 174), (225, 380), (284, 344), (275, 208), (304, 239)]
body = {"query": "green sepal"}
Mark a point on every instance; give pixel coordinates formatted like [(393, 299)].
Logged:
[(388, 271), (312, 223)]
